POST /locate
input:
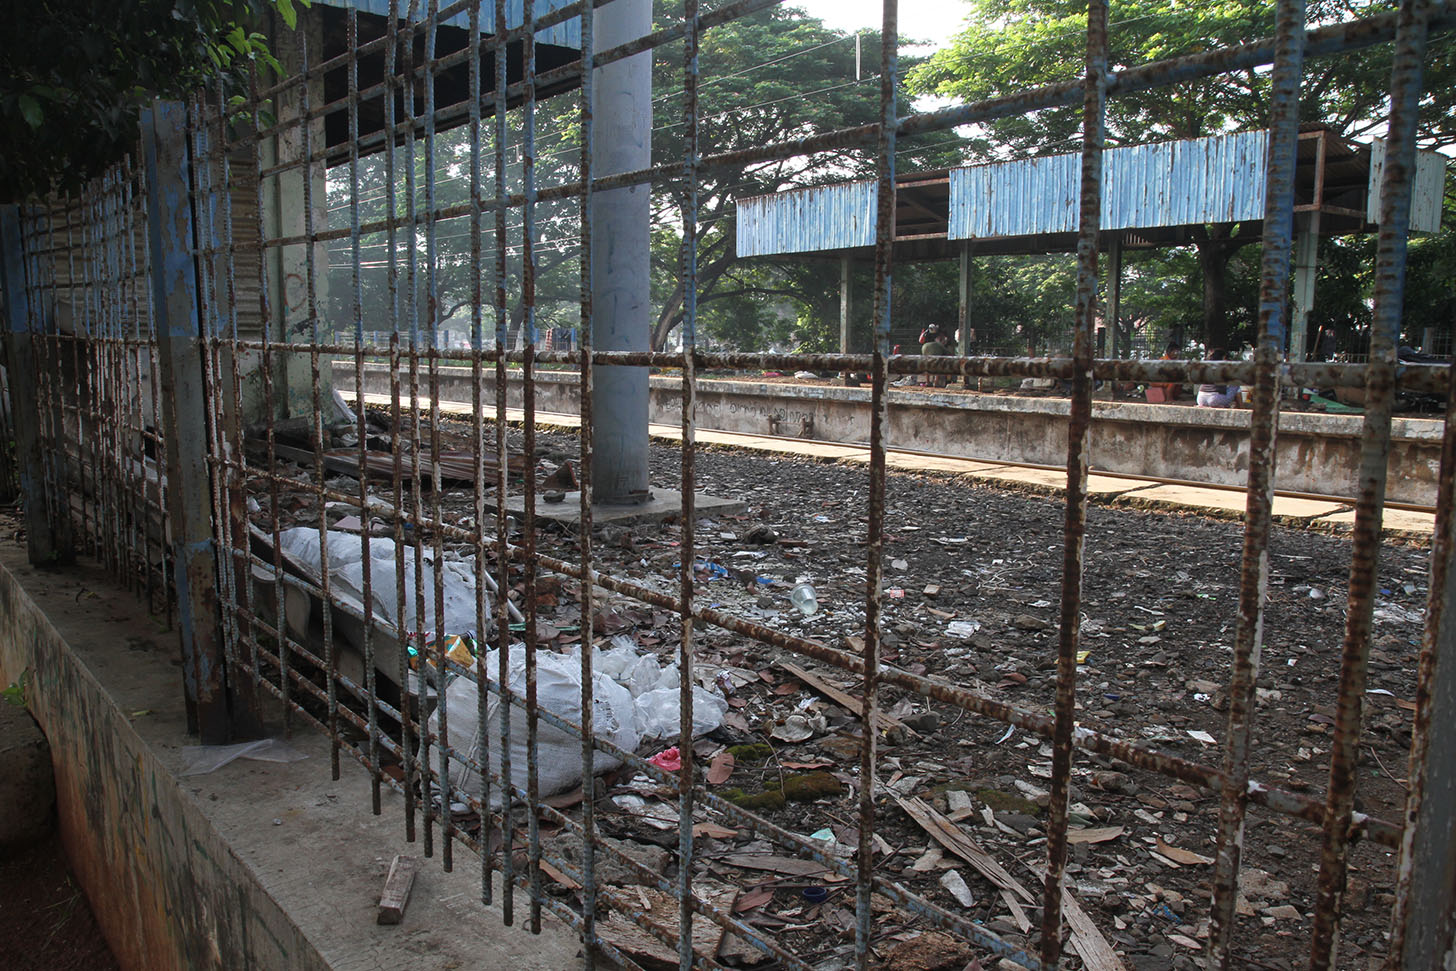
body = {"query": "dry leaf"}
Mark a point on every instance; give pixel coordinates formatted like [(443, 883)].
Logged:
[(1179, 855), (721, 768), (750, 899), (807, 765), (1099, 834)]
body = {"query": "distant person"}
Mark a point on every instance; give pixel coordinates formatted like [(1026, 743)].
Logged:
[(1171, 391), (1217, 395), (935, 343)]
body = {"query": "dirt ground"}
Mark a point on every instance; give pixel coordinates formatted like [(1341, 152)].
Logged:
[(45, 921), (1159, 614)]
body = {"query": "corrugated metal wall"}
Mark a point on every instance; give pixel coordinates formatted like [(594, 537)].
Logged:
[(808, 220), (1205, 180), (1427, 190)]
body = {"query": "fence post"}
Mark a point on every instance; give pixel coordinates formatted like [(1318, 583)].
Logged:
[(184, 417), (48, 538)]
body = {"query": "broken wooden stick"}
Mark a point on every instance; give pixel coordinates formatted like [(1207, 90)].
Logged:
[(397, 886), (841, 697)]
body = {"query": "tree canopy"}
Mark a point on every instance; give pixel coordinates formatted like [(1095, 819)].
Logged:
[(74, 75), (1010, 45)]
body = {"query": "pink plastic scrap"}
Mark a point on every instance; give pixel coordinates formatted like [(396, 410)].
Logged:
[(669, 760)]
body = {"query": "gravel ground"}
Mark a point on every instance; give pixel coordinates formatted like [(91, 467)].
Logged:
[(1159, 614)]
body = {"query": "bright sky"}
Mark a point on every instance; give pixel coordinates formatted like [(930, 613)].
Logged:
[(935, 21)]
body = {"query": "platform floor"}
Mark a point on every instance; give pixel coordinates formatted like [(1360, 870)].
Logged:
[(1103, 486)]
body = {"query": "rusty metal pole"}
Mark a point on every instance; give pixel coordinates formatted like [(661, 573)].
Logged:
[(620, 292), (184, 417), (48, 538), (1390, 263)]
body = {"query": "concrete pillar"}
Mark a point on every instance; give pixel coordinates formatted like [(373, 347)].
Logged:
[(622, 112), (1306, 268), (288, 199), (846, 301)]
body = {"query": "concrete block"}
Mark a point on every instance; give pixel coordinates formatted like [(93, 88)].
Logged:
[(27, 782)]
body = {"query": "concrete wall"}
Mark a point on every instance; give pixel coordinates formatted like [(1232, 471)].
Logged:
[(260, 866), (1318, 453), (167, 891)]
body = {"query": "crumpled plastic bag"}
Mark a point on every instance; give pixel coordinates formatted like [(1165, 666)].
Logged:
[(202, 759), (632, 701), (346, 578)]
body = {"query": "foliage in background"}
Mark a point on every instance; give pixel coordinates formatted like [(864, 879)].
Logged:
[(1007, 46), (74, 75)]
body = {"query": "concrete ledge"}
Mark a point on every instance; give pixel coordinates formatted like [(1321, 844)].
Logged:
[(1317, 453), (194, 873)]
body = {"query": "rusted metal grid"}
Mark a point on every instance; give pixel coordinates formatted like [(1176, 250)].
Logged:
[(106, 447), (83, 387)]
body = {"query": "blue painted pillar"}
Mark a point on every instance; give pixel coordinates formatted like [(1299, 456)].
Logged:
[(184, 417), (48, 538)]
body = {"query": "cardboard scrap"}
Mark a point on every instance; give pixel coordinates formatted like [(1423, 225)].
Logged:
[(790, 865), (1087, 940)]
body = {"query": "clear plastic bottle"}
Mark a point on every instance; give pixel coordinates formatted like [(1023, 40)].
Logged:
[(804, 598)]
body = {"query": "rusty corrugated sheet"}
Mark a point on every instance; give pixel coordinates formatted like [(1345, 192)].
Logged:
[(1204, 180), (1426, 191), (807, 220)]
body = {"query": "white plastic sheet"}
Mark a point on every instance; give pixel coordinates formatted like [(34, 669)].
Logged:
[(346, 578), (634, 699)]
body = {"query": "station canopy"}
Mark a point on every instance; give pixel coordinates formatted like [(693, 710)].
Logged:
[(1152, 195)]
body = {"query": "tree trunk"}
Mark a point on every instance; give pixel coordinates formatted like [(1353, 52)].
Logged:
[(1213, 260)]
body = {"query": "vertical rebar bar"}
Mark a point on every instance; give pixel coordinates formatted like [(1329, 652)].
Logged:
[(1074, 530), (1390, 261), (1254, 573)]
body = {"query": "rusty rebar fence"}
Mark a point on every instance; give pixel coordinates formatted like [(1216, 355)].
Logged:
[(172, 341)]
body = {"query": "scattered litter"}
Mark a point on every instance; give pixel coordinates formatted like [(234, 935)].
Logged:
[(798, 728), (952, 881), (1100, 834), (804, 599), (1180, 855), (1202, 736), (964, 629), (203, 759), (669, 760)]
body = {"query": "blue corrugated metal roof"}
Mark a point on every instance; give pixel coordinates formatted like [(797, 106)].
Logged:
[(808, 220), (1206, 180), (567, 34)]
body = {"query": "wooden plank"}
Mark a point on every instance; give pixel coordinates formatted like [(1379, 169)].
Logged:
[(397, 886), (841, 697), (1087, 941), (953, 838)]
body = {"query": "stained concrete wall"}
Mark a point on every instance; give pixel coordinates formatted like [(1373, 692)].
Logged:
[(1318, 453), (261, 866)]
